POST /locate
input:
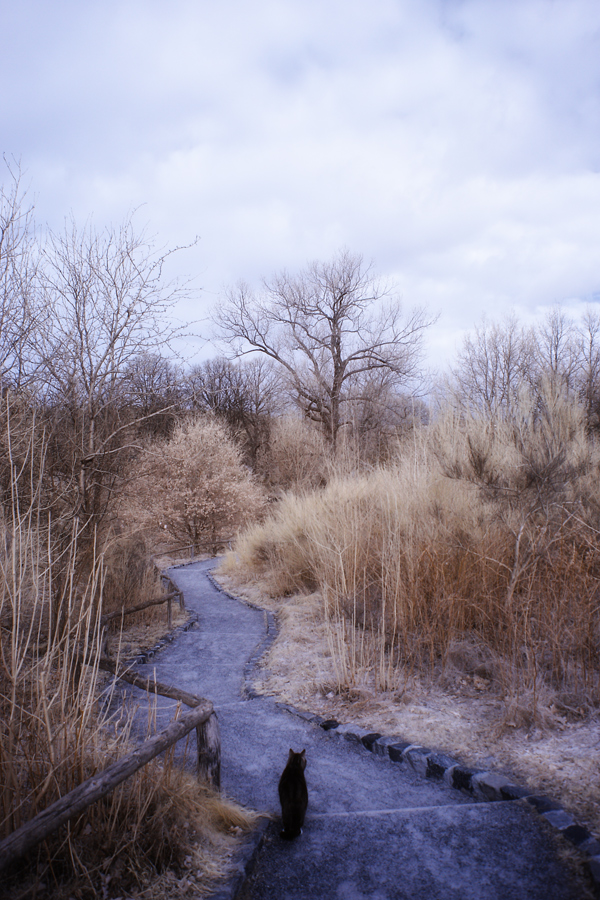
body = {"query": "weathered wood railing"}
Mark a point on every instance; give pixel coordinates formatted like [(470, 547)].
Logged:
[(173, 594), (202, 717), (209, 546)]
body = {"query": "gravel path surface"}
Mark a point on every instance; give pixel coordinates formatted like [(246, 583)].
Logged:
[(373, 829)]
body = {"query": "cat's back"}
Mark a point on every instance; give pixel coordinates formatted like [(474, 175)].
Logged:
[(293, 794)]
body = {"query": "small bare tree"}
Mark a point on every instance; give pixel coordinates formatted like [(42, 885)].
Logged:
[(557, 348), (496, 361), (589, 372), (326, 327), (245, 395), (153, 389), (109, 309), (19, 308)]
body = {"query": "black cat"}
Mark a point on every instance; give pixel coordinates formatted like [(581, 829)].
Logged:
[(293, 795)]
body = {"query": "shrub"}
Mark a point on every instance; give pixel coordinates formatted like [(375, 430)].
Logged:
[(60, 724), (196, 487), (297, 458)]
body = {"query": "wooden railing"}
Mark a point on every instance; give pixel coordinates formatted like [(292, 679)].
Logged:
[(209, 546), (202, 717), (173, 594)]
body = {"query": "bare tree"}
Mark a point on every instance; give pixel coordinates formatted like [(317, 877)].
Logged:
[(244, 395), (495, 362), (380, 414), (557, 348), (109, 308), (19, 310), (588, 335), (325, 327), (153, 388)]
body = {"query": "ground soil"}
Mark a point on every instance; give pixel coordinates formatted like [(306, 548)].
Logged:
[(465, 718)]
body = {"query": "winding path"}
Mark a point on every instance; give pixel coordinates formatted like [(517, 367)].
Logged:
[(373, 829)]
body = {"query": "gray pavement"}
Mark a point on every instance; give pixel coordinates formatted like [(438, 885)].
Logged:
[(373, 829)]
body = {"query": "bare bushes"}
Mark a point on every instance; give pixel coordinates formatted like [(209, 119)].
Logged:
[(130, 577), (195, 487), (297, 458), (485, 538), (60, 723)]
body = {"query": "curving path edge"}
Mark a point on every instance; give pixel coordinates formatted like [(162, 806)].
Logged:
[(375, 826)]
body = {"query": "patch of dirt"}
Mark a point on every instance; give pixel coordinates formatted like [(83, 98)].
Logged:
[(560, 759)]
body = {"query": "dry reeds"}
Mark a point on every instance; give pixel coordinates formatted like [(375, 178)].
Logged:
[(481, 542), (60, 724)]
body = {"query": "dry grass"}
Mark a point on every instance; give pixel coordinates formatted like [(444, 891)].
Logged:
[(482, 543), (452, 596), (130, 578), (460, 716), (60, 722), (161, 833)]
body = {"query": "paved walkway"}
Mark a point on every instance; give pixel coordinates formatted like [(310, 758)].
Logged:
[(374, 829)]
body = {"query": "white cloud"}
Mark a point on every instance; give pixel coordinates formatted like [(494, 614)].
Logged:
[(456, 143)]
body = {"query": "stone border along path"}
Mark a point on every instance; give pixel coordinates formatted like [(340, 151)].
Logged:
[(400, 821)]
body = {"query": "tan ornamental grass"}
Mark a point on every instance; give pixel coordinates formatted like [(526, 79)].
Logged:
[(481, 534)]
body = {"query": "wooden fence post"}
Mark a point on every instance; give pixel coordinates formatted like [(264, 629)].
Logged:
[(208, 736)]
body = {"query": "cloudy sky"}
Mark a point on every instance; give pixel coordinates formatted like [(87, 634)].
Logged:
[(456, 143)]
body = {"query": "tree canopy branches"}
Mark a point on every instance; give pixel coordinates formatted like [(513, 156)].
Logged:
[(328, 327)]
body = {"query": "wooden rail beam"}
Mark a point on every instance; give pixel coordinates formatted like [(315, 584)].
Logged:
[(133, 609), (151, 686), (72, 804)]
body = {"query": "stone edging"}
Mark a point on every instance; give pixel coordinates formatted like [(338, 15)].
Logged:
[(147, 655), (484, 786)]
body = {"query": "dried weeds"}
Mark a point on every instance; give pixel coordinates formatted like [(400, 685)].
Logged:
[(464, 716)]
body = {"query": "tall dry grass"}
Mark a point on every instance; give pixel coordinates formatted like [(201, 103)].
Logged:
[(477, 549), (60, 723)]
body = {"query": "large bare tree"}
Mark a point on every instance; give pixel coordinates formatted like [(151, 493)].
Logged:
[(326, 327)]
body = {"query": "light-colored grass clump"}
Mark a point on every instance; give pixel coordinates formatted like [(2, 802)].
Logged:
[(476, 551)]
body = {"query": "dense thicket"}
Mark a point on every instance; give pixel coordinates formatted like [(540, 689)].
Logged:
[(84, 386)]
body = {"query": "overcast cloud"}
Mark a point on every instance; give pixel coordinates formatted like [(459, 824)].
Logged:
[(457, 144)]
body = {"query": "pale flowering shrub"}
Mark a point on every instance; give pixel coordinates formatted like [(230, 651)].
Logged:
[(196, 487)]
